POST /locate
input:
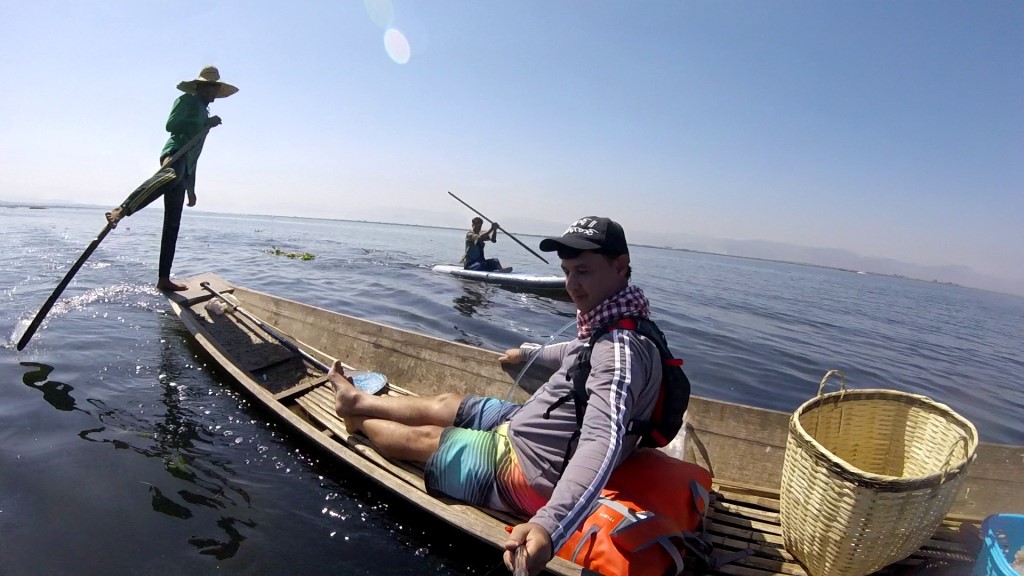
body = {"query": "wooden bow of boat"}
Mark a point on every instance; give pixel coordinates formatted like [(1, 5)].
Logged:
[(743, 446)]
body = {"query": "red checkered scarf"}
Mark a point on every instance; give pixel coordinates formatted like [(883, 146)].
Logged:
[(629, 302)]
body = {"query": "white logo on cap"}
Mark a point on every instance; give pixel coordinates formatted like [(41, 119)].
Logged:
[(584, 226)]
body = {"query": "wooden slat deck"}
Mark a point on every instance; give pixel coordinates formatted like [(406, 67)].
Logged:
[(740, 521)]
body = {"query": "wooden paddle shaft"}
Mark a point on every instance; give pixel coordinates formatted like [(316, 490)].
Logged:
[(45, 309), (530, 250)]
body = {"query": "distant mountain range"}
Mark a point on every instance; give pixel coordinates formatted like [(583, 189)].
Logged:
[(837, 258)]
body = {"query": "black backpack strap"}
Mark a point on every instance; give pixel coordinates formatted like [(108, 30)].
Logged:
[(578, 374), (650, 330), (647, 328)]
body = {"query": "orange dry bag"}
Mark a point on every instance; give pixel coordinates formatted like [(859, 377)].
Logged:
[(646, 518)]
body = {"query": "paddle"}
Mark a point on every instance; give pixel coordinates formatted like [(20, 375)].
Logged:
[(372, 382), (499, 227), (34, 325)]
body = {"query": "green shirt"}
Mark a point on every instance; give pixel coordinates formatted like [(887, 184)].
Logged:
[(473, 252), (188, 118)]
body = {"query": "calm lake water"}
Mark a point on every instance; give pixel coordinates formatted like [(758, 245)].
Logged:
[(122, 451)]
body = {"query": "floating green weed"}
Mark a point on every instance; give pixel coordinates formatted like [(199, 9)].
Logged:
[(300, 255)]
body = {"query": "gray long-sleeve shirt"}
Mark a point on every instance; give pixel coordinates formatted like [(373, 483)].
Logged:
[(623, 385)]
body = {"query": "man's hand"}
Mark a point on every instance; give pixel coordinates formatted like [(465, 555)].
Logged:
[(511, 356), (191, 198), (538, 547), (213, 121)]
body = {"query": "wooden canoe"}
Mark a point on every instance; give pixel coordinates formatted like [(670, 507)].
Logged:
[(743, 446)]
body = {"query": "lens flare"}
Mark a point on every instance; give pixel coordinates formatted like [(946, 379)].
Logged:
[(381, 12), (397, 46)]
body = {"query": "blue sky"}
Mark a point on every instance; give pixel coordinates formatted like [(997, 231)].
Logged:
[(891, 129)]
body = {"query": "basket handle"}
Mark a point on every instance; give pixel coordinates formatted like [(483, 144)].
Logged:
[(821, 390), (829, 374), (949, 457)]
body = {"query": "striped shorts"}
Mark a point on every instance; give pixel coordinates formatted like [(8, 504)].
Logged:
[(475, 463)]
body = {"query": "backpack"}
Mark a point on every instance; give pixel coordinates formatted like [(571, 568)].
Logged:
[(673, 396), (652, 509), (649, 515)]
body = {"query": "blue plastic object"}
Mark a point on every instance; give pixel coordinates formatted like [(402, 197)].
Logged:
[(1004, 538), (372, 382)]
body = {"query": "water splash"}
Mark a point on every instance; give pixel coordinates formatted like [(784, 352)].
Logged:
[(126, 294)]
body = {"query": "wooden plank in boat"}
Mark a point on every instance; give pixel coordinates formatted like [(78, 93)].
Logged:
[(741, 443), (995, 483), (195, 293)]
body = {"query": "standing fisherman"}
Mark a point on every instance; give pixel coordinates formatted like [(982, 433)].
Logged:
[(188, 124)]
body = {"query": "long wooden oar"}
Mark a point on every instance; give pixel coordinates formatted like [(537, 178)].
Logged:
[(499, 227), (34, 325)]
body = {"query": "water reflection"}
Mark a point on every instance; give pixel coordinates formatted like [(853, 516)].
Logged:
[(199, 482), (187, 450), (474, 297), (223, 549), (57, 394), (167, 506)]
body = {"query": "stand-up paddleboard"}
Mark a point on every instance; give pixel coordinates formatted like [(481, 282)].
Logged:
[(528, 281)]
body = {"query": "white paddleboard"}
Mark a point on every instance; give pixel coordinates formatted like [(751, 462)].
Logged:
[(531, 281)]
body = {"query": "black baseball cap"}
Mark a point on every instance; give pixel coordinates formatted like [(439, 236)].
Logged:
[(590, 233)]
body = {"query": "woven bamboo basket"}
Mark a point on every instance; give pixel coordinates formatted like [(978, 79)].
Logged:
[(868, 477)]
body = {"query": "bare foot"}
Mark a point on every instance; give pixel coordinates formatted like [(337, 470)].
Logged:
[(166, 285), (345, 393), (336, 372), (114, 216)]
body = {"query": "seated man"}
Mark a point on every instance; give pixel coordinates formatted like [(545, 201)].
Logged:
[(523, 458), (474, 258)]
